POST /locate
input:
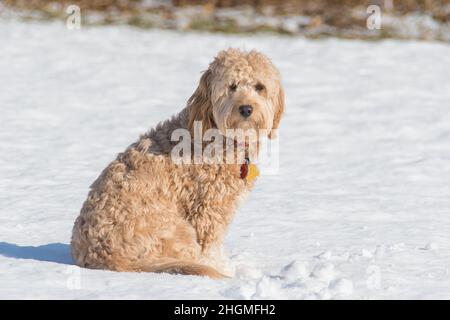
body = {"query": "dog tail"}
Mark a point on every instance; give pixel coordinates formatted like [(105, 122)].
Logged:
[(184, 267)]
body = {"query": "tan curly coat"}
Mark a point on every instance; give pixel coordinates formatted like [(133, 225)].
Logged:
[(146, 213)]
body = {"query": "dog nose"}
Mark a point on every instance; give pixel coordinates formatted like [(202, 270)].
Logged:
[(245, 110)]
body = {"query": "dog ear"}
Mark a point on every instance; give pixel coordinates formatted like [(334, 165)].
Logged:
[(200, 106), (279, 105)]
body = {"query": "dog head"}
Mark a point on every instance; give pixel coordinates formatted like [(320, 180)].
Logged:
[(240, 90)]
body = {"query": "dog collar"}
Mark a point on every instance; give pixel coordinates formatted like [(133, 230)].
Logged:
[(249, 171)]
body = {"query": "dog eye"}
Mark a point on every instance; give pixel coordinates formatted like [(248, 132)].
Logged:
[(233, 87), (259, 87)]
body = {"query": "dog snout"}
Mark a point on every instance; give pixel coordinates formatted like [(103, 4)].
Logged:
[(245, 110)]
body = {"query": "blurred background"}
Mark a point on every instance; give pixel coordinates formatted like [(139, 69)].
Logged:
[(403, 19)]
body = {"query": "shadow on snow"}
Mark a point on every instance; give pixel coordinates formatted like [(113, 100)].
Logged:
[(52, 252)]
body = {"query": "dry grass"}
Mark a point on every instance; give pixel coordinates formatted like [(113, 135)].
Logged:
[(343, 18)]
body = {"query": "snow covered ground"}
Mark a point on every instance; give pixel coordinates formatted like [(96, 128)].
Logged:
[(360, 208)]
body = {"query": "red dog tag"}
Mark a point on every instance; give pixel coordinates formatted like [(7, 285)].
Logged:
[(244, 169)]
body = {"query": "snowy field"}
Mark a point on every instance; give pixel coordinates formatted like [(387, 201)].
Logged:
[(360, 208)]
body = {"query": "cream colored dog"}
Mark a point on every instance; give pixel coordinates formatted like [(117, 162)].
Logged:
[(147, 213)]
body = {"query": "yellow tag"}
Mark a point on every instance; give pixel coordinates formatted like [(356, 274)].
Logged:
[(253, 172)]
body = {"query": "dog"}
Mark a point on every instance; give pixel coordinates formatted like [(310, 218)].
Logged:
[(148, 213)]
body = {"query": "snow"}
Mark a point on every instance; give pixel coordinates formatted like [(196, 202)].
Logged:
[(359, 209)]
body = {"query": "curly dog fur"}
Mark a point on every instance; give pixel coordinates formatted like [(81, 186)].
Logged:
[(147, 213)]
